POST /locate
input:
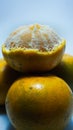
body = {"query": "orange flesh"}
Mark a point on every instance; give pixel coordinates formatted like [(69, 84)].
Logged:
[(35, 36)]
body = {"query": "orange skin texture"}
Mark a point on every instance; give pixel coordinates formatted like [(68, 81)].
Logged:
[(33, 60), (7, 77), (65, 69), (40, 103)]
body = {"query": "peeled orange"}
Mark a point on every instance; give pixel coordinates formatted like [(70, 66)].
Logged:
[(33, 48)]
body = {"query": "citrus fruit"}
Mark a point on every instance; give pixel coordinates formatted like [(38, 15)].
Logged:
[(65, 69), (7, 77), (33, 48), (39, 103)]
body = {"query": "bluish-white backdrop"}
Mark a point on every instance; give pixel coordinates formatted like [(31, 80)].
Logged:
[(56, 13)]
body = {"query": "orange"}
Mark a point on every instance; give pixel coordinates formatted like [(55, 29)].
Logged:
[(7, 77), (33, 48), (65, 69), (39, 103)]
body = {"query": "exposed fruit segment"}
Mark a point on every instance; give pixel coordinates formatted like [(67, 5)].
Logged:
[(33, 48), (35, 36)]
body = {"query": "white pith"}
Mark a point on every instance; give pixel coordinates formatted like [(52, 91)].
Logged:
[(43, 38)]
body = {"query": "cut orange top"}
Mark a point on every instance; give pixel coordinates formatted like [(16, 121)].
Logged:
[(33, 42)]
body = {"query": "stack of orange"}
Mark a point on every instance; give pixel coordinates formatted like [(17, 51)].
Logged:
[(38, 100)]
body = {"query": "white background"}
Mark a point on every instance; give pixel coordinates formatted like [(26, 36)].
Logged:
[(56, 13)]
